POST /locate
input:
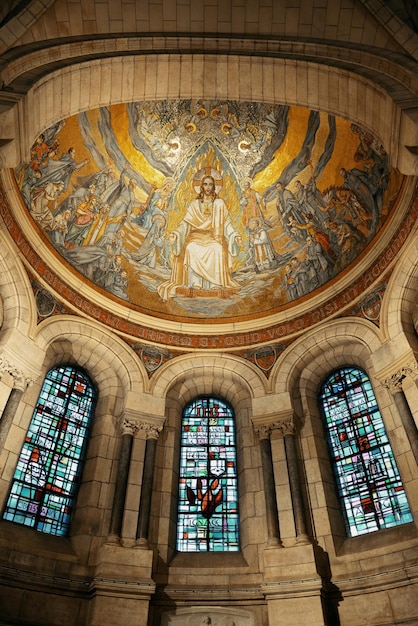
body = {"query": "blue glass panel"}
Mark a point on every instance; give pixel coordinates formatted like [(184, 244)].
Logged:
[(368, 479), (208, 497), (50, 463)]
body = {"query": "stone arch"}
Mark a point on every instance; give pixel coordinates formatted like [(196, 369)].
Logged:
[(113, 366), (118, 376), (313, 355), (235, 381), (18, 305), (20, 355), (207, 374), (401, 300), (297, 378)]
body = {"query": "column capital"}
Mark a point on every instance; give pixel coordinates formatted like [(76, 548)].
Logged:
[(135, 425), (284, 425), (263, 431), (20, 380), (394, 381), (127, 427), (152, 431), (144, 423)]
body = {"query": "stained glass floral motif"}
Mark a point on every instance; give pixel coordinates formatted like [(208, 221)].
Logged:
[(50, 463), (208, 497), (369, 484)]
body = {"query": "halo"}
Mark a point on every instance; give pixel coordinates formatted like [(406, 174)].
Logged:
[(244, 180), (208, 171), (254, 220), (202, 113), (191, 127)]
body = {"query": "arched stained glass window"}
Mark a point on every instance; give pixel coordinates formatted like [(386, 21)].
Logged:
[(49, 467), (208, 496), (369, 484)]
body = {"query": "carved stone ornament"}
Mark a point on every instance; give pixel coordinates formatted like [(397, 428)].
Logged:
[(131, 427), (128, 427), (20, 381), (263, 431), (284, 427), (152, 431), (394, 382)]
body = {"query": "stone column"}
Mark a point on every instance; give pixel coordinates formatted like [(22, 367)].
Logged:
[(273, 532), (20, 384), (152, 433), (288, 430), (394, 384), (128, 430)]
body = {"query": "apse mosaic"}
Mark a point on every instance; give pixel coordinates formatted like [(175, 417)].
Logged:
[(208, 209)]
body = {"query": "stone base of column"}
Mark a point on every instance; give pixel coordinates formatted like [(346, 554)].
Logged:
[(141, 543), (296, 608), (111, 604), (274, 543), (121, 587), (293, 588)]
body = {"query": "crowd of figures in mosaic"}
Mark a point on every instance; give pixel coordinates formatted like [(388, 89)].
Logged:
[(212, 208)]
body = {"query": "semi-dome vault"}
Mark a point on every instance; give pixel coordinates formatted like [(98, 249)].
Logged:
[(225, 197), (208, 227), (296, 198)]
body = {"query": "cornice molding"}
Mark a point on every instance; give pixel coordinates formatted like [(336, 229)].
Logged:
[(23, 67)]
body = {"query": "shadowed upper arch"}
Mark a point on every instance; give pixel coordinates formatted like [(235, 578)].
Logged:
[(189, 376), (19, 310), (310, 358), (110, 361), (398, 307)]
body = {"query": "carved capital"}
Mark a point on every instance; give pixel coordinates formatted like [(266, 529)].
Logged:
[(128, 427), (394, 382), (151, 431), (286, 427), (411, 370), (283, 427), (263, 431), (20, 381), (144, 424)]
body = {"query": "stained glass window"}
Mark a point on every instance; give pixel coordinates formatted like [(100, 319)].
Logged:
[(50, 463), (369, 484), (208, 496)]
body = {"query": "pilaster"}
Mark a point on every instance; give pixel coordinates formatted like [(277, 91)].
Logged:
[(292, 584), (122, 584)]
